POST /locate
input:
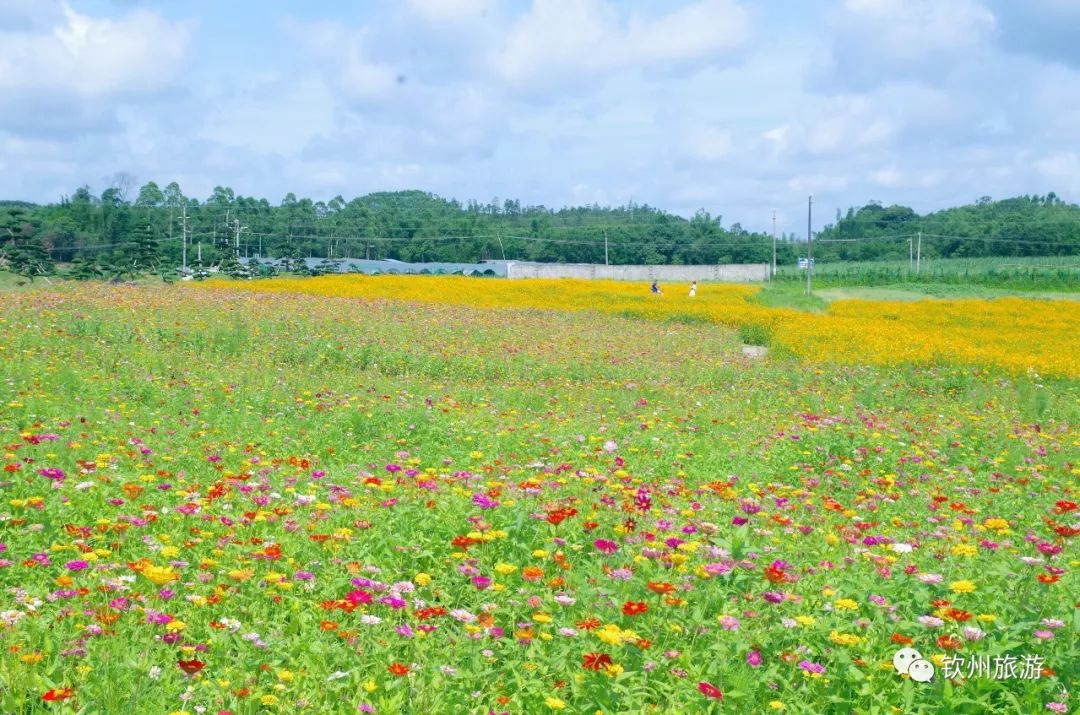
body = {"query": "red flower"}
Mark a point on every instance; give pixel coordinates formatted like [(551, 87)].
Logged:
[(398, 669), (588, 624), (595, 661), (1064, 507), (901, 639), (191, 667), (58, 694), (634, 608), (710, 691), (1049, 578)]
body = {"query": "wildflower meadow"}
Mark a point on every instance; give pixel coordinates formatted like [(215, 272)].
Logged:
[(450, 495)]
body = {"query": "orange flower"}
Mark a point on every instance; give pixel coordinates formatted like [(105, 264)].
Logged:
[(328, 625), (532, 573), (901, 639), (398, 669), (634, 608), (588, 624), (660, 588), (946, 642)]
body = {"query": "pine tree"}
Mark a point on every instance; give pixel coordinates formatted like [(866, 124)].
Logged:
[(84, 270), (144, 251), (21, 252), (230, 265)]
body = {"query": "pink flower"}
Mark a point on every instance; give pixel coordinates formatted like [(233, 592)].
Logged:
[(753, 658), (77, 565)]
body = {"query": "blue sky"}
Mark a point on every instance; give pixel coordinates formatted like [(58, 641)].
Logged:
[(735, 107)]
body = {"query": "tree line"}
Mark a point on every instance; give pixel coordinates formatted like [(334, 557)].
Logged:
[(122, 232)]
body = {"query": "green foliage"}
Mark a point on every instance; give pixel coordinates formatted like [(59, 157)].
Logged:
[(136, 237)]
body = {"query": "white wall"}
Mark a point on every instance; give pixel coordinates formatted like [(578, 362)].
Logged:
[(735, 273)]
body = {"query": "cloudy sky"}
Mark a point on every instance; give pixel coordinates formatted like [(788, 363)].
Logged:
[(735, 107)]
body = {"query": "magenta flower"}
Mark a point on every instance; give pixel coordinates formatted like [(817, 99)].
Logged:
[(484, 501), (77, 565), (605, 546), (812, 668), (753, 658)]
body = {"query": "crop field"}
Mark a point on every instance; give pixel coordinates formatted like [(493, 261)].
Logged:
[(447, 495), (1060, 273)]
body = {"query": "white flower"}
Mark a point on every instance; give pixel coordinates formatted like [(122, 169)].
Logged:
[(155, 672), (902, 548), (337, 675)]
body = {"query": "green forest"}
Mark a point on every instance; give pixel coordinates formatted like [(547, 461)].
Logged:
[(125, 232)]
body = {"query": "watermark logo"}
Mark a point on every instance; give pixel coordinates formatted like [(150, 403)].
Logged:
[(910, 662)]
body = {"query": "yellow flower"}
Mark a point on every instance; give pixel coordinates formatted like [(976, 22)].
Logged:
[(805, 620), (422, 579), (777, 705), (964, 550), (160, 575), (175, 626), (962, 586), (844, 638), (285, 676), (613, 670), (554, 703), (505, 569), (370, 686), (269, 700), (846, 604)]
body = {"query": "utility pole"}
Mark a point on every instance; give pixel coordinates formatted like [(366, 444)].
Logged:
[(911, 255), (918, 255), (498, 235), (236, 223), (183, 237), (774, 242), (605, 249), (809, 242)]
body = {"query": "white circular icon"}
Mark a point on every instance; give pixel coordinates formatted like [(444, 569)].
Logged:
[(904, 658), (921, 671)]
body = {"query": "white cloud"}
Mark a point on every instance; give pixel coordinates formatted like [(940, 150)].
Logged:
[(449, 10), (344, 54), (94, 57), (560, 39), (911, 28), (876, 42)]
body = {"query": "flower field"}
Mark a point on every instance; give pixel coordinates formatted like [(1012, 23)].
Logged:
[(1011, 334), (444, 495)]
